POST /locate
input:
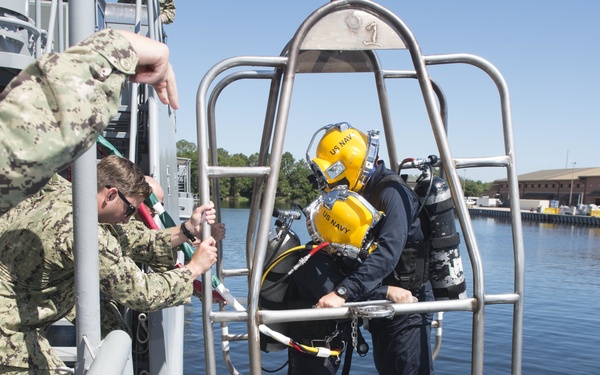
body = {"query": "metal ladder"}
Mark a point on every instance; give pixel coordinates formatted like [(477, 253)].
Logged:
[(344, 36)]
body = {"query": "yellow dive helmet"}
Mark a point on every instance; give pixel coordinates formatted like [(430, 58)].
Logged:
[(344, 219), (344, 156)]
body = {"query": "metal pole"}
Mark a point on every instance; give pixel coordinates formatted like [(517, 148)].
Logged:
[(571, 191), (85, 217), (38, 25)]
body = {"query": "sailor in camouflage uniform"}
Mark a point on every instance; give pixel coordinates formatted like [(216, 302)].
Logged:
[(37, 268), (167, 9), (54, 109)]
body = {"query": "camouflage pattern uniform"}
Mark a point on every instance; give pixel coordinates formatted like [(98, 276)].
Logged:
[(55, 108), (138, 251), (37, 273), (167, 9)]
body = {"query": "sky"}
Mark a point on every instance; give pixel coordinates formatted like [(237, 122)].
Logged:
[(547, 51)]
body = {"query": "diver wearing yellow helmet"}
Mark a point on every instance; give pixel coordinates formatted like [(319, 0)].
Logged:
[(344, 156)]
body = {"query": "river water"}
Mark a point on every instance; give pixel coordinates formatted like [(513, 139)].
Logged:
[(562, 299)]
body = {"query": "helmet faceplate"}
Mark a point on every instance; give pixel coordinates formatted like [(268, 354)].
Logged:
[(344, 156), (345, 220)]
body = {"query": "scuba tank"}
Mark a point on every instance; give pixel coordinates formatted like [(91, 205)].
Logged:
[(276, 282), (445, 265)]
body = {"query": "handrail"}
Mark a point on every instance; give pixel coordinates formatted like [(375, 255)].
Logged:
[(112, 355), (27, 25), (85, 215), (204, 172)]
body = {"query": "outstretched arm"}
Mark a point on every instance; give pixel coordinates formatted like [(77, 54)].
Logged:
[(153, 67), (54, 109)]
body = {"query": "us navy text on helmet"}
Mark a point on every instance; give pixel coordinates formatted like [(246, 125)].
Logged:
[(335, 224), (341, 144)]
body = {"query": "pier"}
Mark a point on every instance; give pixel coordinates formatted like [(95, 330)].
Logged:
[(536, 216)]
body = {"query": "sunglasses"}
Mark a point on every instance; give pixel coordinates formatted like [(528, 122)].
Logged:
[(130, 207)]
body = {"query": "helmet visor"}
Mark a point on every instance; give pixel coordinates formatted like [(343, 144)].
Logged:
[(328, 175), (319, 175)]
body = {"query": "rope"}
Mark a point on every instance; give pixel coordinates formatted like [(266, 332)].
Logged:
[(316, 351)]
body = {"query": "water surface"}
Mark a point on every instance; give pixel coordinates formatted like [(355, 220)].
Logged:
[(562, 299)]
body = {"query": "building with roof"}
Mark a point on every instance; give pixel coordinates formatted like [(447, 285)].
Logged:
[(568, 186)]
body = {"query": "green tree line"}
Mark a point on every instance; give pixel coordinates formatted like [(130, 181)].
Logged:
[(293, 185), (475, 188)]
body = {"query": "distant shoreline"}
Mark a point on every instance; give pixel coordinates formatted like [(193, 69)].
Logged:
[(501, 212)]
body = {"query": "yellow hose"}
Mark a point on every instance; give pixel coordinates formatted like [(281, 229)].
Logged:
[(279, 259)]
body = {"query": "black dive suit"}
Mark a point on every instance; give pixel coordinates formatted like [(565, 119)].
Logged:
[(400, 345)]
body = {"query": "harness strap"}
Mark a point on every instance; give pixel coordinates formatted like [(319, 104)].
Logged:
[(412, 269), (347, 360), (361, 348), (444, 242)]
